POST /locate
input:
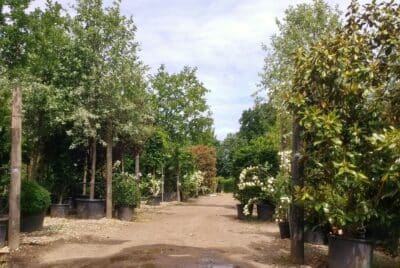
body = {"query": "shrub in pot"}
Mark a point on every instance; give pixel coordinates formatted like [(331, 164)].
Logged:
[(192, 184), (34, 201), (255, 187), (126, 195), (282, 216)]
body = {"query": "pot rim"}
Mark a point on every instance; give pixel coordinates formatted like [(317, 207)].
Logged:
[(358, 240), (60, 205)]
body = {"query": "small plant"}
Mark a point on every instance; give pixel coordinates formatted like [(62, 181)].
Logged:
[(126, 191), (34, 198), (154, 185)]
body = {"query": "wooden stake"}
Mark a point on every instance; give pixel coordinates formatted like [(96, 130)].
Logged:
[(93, 173), (15, 183)]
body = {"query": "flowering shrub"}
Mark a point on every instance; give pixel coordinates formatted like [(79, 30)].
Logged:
[(282, 209), (192, 183), (255, 186)]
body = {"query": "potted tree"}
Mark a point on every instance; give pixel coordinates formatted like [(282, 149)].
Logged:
[(349, 129), (34, 202), (126, 195)]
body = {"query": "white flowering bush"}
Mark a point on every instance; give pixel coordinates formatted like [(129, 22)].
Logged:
[(255, 185), (154, 185), (192, 183), (282, 209)]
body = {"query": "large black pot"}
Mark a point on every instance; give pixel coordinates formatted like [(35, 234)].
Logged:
[(59, 210), (31, 223), (241, 215), (265, 212), (349, 252), (284, 229), (90, 208), (3, 231), (156, 201), (125, 213)]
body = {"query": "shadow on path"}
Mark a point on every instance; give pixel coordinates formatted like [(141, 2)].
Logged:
[(153, 256)]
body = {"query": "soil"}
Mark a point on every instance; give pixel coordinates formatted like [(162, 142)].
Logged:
[(201, 233)]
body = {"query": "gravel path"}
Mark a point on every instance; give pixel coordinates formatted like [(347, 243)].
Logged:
[(201, 233)]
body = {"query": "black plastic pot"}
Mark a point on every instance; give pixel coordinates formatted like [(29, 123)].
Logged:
[(349, 252), (284, 229), (3, 231), (265, 212), (59, 210), (90, 208), (155, 201), (125, 213), (315, 236), (240, 213), (32, 223)]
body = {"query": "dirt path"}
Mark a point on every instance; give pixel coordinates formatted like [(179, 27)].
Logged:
[(201, 233)]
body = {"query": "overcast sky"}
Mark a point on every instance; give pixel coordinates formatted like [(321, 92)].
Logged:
[(222, 38)]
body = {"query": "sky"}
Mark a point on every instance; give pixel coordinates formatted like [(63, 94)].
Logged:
[(222, 38)]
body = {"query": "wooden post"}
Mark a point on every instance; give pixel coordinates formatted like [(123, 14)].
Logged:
[(109, 175), (297, 210), (93, 173), (15, 183)]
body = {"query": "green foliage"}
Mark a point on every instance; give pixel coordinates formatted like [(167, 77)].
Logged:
[(258, 152), (226, 185), (256, 121), (126, 192), (226, 154), (337, 92), (34, 198)]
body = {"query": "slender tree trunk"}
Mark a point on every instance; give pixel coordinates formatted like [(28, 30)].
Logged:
[(15, 183), (297, 210), (85, 168), (109, 175), (162, 183), (93, 170), (34, 160), (178, 183), (137, 164)]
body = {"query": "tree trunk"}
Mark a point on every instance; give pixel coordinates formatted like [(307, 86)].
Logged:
[(85, 167), (15, 183), (297, 210), (178, 183), (137, 165), (162, 183), (93, 170), (34, 160), (109, 175)]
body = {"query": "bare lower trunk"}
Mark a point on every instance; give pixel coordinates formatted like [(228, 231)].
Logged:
[(109, 176), (34, 160), (178, 183), (297, 210), (93, 170), (162, 183), (85, 167), (137, 165), (15, 183)]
